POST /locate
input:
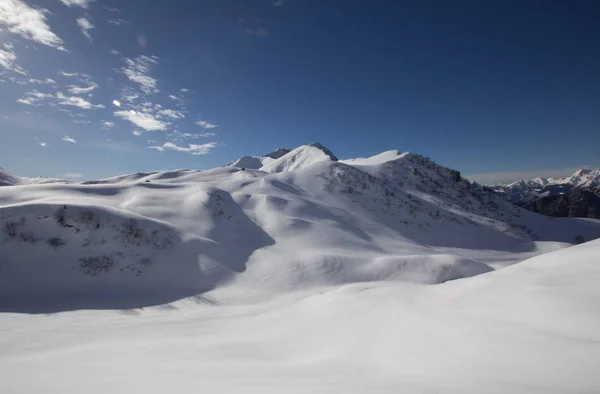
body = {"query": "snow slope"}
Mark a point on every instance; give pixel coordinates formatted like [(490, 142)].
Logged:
[(530, 328), (384, 274)]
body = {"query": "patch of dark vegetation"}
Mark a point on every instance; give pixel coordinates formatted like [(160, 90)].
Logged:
[(90, 219), (60, 215), (138, 267), (11, 229), (131, 232), (95, 265), (28, 236), (56, 242)]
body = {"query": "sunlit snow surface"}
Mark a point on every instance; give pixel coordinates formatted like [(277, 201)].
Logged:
[(307, 275)]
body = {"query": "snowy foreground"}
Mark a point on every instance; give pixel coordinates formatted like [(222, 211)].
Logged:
[(381, 275)]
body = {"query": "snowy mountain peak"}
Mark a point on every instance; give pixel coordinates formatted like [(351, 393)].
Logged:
[(582, 178), (277, 153), (326, 150), (299, 158)]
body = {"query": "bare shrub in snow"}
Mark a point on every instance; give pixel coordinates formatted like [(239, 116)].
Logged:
[(56, 242), (95, 265), (28, 237), (132, 232), (11, 229), (61, 216), (90, 219)]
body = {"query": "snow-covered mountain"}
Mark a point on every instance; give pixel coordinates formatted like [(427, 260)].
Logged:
[(7, 179), (391, 216), (576, 195), (299, 274), (525, 191)]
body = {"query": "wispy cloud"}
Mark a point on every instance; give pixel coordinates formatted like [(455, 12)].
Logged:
[(137, 70), (176, 136), (115, 52), (85, 25), (66, 138), (35, 98), (66, 74), (29, 23), (107, 124), (77, 3), (43, 144), (76, 101), (206, 125), (47, 81), (74, 89), (8, 59), (193, 149), (279, 3), (170, 113), (143, 120), (256, 31), (119, 22)]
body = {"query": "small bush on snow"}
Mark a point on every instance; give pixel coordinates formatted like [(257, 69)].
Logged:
[(27, 237), (131, 231), (55, 242), (11, 228), (97, 264), (61, 216)]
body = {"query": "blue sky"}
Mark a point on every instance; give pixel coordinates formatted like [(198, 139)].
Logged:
[(500, 89)]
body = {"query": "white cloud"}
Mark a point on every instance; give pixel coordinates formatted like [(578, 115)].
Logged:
[(116, 103), (119, 22), (115, 52), (73, 89), (69, 139), (76, 101), (47, 81), (178, 136), (137, 70), (170, 113), (493, 178), (66, 74), (193, 149), (145, 121), (85, 26), (34, 97), (137, 132), (256, 31), (107, 124), (8, 59), (29, 23), (43, 144), (206, 125), (72, 175), (77, 3)]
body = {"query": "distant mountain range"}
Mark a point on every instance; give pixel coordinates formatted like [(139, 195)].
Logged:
[(577, 195)]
